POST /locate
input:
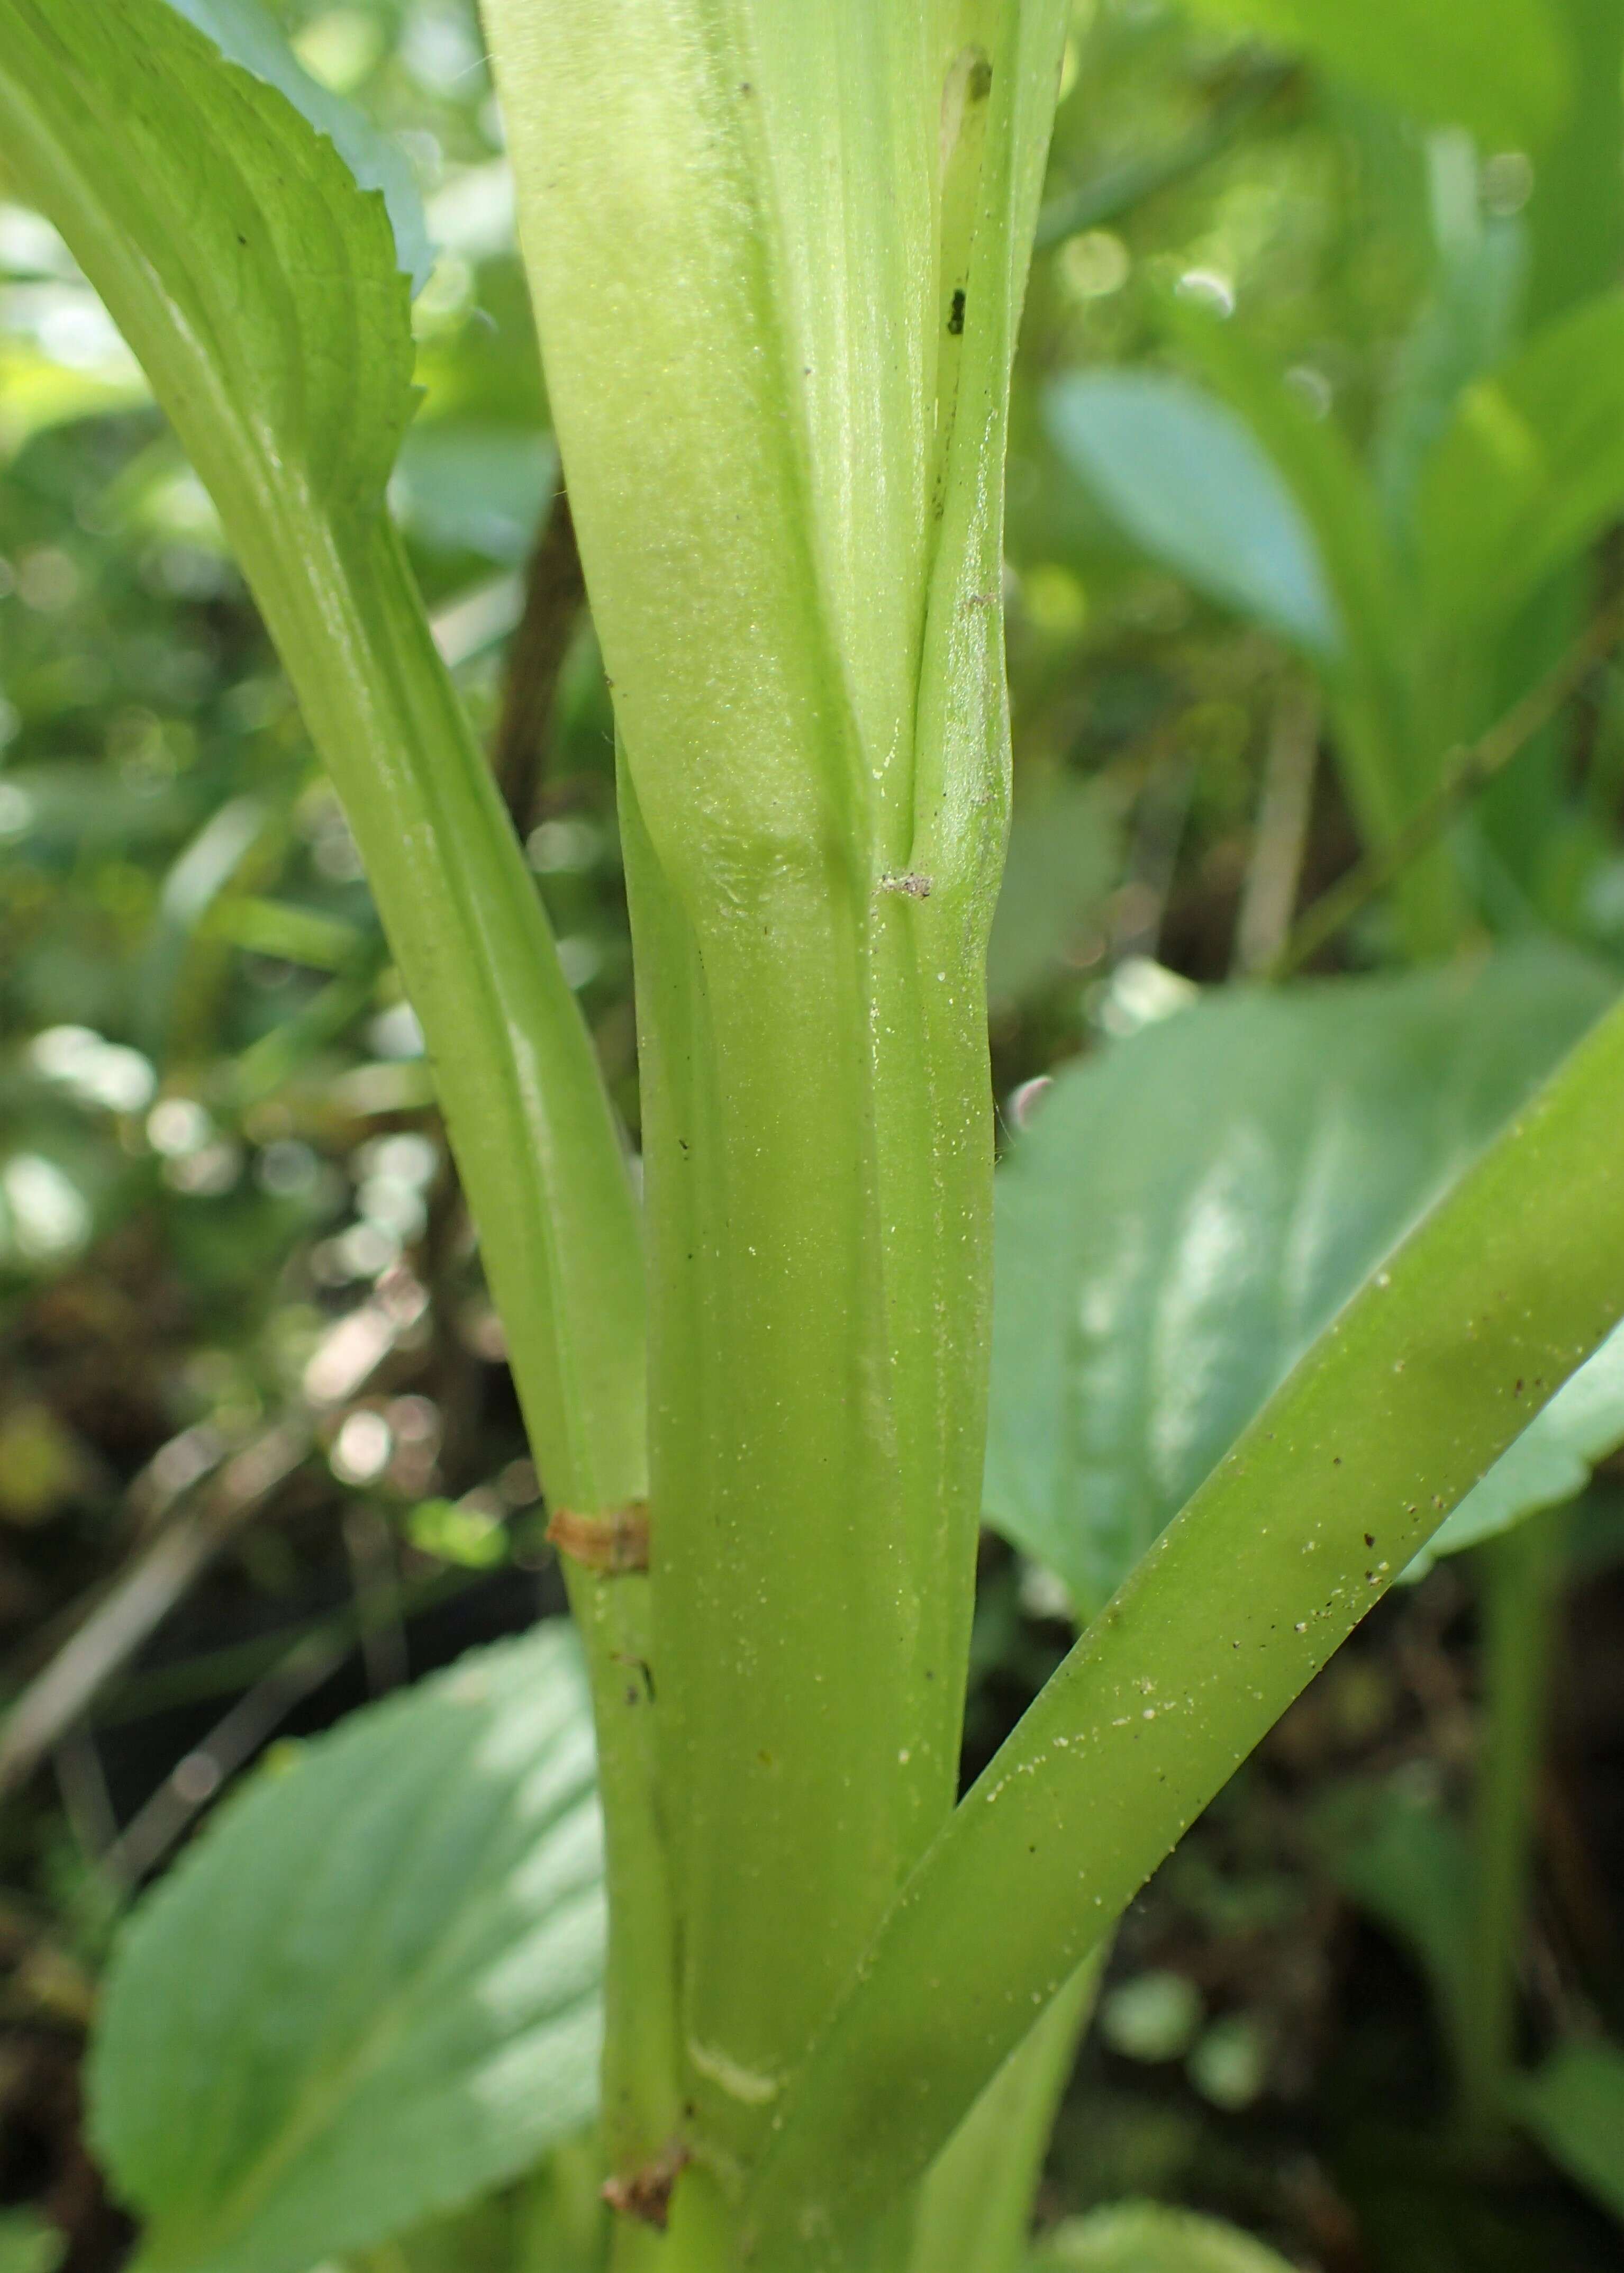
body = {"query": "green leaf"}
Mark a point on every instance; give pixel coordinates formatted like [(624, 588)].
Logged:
[(1142, 2237), (1498, 66), (480, 489), (1551, 1462), (1529, 471), (1368, 680), (28, 2244), (276, 331), (1193, 487), (975, 2208), (1467, 325), (1575, 2107), (372, 1988), (245, 35), (1193, 1206)]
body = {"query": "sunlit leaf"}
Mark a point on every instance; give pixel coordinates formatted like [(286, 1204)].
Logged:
[(372, 1988), (245, 34), (259, 284), (286, 399), (1191, 1207)]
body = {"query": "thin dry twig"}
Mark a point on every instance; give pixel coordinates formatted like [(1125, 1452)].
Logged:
[(160, 1574), (555, 594), (1275, 870), (1464, 772)]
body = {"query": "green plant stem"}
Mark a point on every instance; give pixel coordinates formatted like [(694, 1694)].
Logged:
[(776, 303), (1426, 1377), (1520, 1577), (975, 2209)]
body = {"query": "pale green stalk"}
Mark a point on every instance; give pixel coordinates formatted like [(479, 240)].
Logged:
[(1520, 1593), (776, 252), (1424, 1380)]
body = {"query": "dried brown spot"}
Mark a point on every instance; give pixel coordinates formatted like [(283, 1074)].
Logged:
[(646, 2194), (612, 1543)]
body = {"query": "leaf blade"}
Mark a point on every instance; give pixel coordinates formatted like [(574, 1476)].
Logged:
[(1143, 2237), (1219, 1244), (1574, 2104), (1527, 471), (1189, 482), (1500, 68), (371, 1989)]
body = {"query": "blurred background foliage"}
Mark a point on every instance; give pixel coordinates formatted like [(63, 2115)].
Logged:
[(258, 1454)]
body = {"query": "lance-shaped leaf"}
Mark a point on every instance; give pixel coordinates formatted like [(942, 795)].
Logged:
[(372, 1988), (245, 35)]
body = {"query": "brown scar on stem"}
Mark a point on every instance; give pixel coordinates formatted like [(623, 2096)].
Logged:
[(909, 880), (646, 2194), (612, 1543)]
